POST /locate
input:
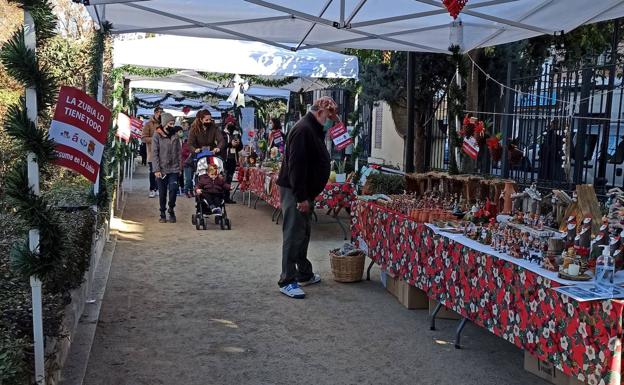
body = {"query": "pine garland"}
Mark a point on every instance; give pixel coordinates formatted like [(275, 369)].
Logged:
[(22, 64), (252, 79), (456, 103), (96, 60)]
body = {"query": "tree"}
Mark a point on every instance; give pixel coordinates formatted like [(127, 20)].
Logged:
[(73, 19), (383, 76)]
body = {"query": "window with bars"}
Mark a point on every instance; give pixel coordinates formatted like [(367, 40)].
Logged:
[(378, 124)]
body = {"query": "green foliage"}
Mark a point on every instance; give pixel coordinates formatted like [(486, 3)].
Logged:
[(43, 16), (12, 357), (68, 60), (26, 134), (252, 79), (388, 184), (98, 45), (22, 64)]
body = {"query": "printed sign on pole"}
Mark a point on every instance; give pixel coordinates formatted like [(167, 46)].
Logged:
[(124, 128), (79, 128), (136, 126), (340, 136)]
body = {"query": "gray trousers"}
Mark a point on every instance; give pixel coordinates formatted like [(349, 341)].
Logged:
[(296, 227)]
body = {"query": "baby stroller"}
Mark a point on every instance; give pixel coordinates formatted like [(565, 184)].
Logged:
[(202, 211)]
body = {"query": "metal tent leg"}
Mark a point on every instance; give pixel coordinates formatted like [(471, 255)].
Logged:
[(256, 203), (279, 215), (460, 328), (434, 315)]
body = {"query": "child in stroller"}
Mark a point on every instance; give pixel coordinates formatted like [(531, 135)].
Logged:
[(211, 190)]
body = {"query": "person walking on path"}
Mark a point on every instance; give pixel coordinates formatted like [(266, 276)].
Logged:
[(304, 173), (187, 166), (166, 158), (234, 146), (205, 134), (149, 129)]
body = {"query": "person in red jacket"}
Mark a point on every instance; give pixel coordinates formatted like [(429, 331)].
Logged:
[(187, 166), (212, 187)]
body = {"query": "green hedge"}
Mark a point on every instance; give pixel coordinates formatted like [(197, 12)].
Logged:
[(15, 297)]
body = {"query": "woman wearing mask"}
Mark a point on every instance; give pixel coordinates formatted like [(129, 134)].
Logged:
[(205, 135), (166, 158)]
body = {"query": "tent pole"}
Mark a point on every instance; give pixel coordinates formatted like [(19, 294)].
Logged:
[(409, 141)]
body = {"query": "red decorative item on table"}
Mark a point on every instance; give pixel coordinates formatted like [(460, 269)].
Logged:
[(186, 110), (454, 6)]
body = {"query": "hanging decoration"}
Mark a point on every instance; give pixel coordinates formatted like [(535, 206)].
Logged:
[(472, 131), (237, 96), (454, 7)]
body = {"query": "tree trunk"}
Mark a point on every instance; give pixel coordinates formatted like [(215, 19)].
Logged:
[(472, 83), (419, 140)]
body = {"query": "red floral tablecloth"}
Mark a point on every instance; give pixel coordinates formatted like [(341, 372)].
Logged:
[(581, 339), (335, 195)]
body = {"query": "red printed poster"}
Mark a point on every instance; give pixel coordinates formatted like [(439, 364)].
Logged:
[(79, 128), (470, 147), (340, 136), (124, 127), (136, 126)]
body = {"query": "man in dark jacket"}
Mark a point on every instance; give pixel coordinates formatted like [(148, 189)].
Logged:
[(304, 173)]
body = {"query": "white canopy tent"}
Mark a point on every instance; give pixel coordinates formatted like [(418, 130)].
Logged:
[(189, 81), (406, 25), (173, 106), (232, 56), (193, 82)]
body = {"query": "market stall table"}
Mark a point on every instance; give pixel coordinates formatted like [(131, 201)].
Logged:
[(263, 184), (582, 339)]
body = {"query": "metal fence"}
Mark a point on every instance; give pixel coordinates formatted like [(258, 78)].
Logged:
[(557, 112)]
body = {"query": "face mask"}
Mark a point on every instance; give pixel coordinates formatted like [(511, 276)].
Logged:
[(181, 134)]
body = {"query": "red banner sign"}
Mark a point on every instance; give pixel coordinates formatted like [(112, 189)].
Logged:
[(136, 126), (79, 128), (340, 136), (124, 127)]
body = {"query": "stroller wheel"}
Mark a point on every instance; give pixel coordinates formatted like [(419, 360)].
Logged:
[(217, 220), (228, 224), (197, 225), (222, 223), (193, 219), (204, 224)]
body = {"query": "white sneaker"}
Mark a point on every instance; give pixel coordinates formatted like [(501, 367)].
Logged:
[(316, 278), (293, 291), (152, 194)]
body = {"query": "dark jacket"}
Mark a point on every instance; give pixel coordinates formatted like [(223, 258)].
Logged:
[(166, 153), (232, 150), (206, 137), (305, 167), (212, 186)]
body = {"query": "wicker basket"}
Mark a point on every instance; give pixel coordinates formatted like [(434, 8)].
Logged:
[(347, 268)]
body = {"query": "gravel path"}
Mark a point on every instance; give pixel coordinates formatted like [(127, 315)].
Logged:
[(192, 307)]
